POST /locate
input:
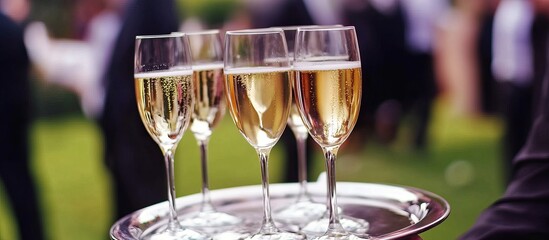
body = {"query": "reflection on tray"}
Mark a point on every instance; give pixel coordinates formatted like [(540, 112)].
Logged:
[(391, 211)]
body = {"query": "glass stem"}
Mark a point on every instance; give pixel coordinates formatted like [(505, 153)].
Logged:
[(302, 167), (169, 160), (268, 226), (334, 226), (206, 200)]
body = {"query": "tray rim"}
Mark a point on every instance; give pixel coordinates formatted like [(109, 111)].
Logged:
[(416, 228)]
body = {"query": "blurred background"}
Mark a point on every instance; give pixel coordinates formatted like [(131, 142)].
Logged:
[(436, 114)]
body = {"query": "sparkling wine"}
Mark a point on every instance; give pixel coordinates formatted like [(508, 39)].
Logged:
[(329, 93), (259, 102), (294, 121), (210, 101), (165, 102)]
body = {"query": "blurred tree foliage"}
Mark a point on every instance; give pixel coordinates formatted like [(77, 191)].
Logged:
[(213, 13), (50, 100), (56, 14)]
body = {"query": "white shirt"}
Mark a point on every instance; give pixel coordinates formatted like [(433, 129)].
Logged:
[(511, 44), (77, 65), (421, 17), (101, 36)]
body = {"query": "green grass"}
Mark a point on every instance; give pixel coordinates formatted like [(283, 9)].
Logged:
[(462, 166)]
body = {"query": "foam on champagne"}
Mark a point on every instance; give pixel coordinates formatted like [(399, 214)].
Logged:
[(161, 74), (207, 66), (254, 70), (325, 66)]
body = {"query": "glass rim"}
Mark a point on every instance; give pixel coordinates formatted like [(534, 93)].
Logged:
[(255, 31), (295, 27), (334, 27), (201, 32), (171, 35)]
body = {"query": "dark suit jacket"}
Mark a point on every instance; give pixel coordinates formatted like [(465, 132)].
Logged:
[(523, 211), (133, 157), (14, 93), (15, 105), (289, 13)]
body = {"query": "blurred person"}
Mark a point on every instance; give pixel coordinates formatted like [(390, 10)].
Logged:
[(514, 67), (487, 87), (268, 13), (396, 41), (99, 69), (15, 170), (380, 27), (522, 212), (421, 18), (78, 65), (540, 44), (132, 157), (83, 12), (17, 10), (457, 62), (463, 57)]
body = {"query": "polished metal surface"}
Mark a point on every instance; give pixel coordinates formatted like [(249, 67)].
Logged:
[(392, 211)]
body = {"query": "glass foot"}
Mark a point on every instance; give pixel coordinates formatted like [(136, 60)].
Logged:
[(232, 235), (177, 234), (211, 222), (340, 237), (354, 226), (243, 231), (277, 236), (300, 213), (246, 233)]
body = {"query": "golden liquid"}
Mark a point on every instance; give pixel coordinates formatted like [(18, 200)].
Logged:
[(210, 101), (294, 121), (329, 96), (165, 102), (259, 103)]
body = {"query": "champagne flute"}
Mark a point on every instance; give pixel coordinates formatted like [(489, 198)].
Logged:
[(328, 87), (259, 97), (165, 98), (304, 209), (209, 109)]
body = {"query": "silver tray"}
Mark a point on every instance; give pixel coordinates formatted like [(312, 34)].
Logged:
[(392, 211)]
